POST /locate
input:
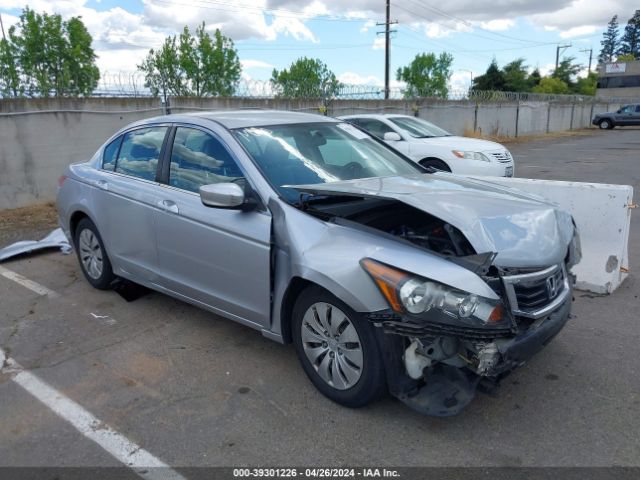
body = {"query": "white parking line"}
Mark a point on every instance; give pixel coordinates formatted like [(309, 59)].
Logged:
[(124, 450), (25, 282)]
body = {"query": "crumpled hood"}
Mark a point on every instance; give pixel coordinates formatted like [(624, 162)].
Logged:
[(524, 230)]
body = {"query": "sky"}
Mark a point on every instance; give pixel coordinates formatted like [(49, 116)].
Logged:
[(273, 33)]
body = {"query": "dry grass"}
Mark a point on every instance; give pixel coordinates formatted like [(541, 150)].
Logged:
[(27, 223), (528, 138)]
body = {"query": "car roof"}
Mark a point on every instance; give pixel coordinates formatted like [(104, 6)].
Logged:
[(374, 115), (243, 118)]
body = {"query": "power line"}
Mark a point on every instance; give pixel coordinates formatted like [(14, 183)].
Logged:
[(239, 7), (468, 23)]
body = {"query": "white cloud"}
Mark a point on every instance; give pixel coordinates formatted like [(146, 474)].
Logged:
[(498, 24), (579, 31), (369, 24), (378, 43), (460, 81), (353, 78), (249, 63)]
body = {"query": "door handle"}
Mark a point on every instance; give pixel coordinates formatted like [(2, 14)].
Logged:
[(169, 206), (102, 184)]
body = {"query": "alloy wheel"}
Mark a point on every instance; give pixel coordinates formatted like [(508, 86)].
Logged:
[(332, 345), (90, 253)]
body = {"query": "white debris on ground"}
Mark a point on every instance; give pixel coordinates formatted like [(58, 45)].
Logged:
[(53, 240)]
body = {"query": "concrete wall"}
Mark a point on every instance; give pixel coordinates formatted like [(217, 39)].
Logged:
[(40, 137)]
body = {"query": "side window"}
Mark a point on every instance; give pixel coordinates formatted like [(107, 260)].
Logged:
[(627, 109), (140, 152), (197, 159), (109, 155), (637, 108), (375, 127)]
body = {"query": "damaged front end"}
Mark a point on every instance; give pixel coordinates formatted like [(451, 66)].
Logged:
[(446, 344), (485, 283), (443, 343)]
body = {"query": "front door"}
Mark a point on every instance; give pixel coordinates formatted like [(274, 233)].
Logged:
[(216, 256), (625, 116)]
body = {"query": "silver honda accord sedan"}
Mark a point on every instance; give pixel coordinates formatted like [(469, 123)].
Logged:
[(386, 276)]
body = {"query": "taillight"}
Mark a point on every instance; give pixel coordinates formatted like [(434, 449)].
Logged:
[(61, 180)]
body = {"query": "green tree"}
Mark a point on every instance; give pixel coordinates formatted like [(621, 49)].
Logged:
[(609, 41), (491, 80), (551, 85), (82, 72), (193, 65), (427, 75), (630, 41), (587, 85), (305, 78), (534, 78), (49, 56), (566, 71), (10, 85), (516, 76), (625, 57)]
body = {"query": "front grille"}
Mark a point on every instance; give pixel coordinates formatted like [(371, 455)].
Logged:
[(538, 293), (502, 157), (535, 294)]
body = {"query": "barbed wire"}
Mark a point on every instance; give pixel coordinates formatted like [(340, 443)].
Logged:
[(132, 84)]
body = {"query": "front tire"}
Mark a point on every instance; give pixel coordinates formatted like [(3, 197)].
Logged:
[(92, 255), (435, 163), (337, 349), (605, 124)]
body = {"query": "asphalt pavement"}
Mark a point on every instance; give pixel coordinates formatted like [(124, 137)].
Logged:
[(193, 389)]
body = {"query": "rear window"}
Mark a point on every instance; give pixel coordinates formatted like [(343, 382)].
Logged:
[(140, 152), (110, 154)]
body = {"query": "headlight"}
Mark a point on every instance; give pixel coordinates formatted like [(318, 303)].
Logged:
[(471, 155), (408, 293)]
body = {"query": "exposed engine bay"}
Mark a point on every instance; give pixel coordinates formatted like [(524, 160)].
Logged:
[(397, 219)]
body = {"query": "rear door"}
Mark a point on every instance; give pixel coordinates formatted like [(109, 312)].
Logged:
[(219, 257), (636, 116), (126, 198)]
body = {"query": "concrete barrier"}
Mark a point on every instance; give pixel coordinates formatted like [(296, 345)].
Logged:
[(602, 213)]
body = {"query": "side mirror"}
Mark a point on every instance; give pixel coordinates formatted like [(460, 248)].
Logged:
[(222, 195), (392, 137)]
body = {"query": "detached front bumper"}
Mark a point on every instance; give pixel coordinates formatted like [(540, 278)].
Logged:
[(516, 351), (449, 385)]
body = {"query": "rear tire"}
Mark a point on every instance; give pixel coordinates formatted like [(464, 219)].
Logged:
[(92, 255), (606, 124), (435, 163), (337, 349)]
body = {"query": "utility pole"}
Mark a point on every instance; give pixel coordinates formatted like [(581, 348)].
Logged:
[(590, 50), (563, 47), (2, 26), (387, 47)]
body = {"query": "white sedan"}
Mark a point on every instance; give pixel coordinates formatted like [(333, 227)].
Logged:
[(431, 146)]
